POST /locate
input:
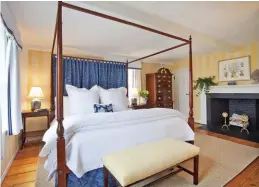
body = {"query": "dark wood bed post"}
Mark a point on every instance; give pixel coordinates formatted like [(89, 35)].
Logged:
[(52, 97), (190, 119), (127, 80), (61, 153)]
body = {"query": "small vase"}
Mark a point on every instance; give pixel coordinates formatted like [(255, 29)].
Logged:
[(143, 100)]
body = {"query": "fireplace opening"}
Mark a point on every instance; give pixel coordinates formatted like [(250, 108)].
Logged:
[(237, 104)]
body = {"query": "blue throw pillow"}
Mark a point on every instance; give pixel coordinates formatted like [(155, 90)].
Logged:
[(103, 108)]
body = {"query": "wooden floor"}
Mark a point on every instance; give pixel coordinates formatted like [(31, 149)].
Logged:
[(248, 177), (23, 170)]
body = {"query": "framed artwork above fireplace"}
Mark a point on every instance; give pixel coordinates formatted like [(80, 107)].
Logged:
[(234, 69)]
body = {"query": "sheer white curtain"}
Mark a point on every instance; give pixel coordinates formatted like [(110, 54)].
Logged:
[(10, 104), (134, 82)]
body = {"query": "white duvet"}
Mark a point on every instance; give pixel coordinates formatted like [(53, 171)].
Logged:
[(91, 136)]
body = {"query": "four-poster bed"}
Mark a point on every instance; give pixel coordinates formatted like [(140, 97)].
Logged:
[(62, 169)]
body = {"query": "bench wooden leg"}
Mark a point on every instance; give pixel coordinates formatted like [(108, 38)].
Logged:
[(196, 170), (105, 176)]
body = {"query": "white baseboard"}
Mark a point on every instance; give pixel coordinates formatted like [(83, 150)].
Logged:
[(199, 121), (9, 165)]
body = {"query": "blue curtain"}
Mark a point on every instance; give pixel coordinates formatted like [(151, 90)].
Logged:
[(89, 74), (85, 73), (112, 75)]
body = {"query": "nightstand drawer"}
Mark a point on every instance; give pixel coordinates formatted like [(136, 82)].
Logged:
[(35, 114)]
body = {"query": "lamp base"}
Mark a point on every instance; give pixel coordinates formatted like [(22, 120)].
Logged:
[(35, 104)]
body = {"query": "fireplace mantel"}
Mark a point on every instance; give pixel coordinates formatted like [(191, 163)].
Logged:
[(251, 88)]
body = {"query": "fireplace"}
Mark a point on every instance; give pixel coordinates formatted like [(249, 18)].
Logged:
[(239, 103)]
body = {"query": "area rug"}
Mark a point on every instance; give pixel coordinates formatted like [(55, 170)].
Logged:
[(220, 161)]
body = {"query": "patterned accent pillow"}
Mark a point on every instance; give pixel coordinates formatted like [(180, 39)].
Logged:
[(103, 108)]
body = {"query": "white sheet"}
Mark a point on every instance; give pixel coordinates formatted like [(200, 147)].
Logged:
[(89, 137)]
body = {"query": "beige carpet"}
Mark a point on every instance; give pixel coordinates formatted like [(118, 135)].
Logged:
[(220, 161)]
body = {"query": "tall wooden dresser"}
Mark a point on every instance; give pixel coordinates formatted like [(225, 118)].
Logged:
[(160, 87)]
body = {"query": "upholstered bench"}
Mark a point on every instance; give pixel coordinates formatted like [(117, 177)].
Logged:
[(133, 165)]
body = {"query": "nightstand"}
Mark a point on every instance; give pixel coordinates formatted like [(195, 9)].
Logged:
[(141, 106), (30, 114)]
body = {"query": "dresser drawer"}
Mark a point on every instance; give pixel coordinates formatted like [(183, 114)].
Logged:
[(164, 97), (164, 104), (164, 90)]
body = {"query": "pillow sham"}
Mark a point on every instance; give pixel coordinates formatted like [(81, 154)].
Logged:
[(81, 100), (103, 108), (115, 96)]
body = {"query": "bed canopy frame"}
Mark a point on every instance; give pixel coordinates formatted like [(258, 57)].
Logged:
[(62, 169)]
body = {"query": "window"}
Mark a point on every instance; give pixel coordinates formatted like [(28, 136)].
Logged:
[(134, 83)]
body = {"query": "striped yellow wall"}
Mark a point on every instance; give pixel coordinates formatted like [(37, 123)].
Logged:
[(207, 65)]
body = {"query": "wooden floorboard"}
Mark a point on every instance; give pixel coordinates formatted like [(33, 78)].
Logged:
[(249, 177), (23, 170), (22, 173), (28, 184), (22, 178)]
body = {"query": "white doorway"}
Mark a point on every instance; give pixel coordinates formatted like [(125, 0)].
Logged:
[(181, 91)]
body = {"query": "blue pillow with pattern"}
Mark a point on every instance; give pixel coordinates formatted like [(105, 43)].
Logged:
[(103, 108)]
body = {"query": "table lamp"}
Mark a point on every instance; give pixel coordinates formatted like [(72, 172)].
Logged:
[(35, 94)]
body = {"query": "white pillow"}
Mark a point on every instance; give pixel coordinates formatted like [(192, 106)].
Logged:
[(66, 108), (81, 100), (115, 96)]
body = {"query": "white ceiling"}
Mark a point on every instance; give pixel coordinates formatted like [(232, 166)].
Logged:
[(214, 26)]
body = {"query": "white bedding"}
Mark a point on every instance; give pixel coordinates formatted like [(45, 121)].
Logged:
[(91, 136)]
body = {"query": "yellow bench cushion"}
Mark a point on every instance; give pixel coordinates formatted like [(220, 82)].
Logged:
[(137, 163)]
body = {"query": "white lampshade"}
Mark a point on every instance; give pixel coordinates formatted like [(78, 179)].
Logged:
[(36, 92)]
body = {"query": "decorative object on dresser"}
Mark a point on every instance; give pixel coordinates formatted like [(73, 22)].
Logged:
[(141, 106), (232, 83), (134, 101), (134, 96), (255, 76), (35, 94), (234, 69), (143, 96), (29, 114), (159, 86), (204, 84)]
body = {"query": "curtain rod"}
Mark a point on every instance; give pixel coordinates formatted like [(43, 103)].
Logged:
[(67, 56), (10, 32)]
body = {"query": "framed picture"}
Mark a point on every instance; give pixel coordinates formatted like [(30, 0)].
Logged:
[(234, 69)]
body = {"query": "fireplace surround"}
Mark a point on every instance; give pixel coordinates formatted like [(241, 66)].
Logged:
[(240, 103), (239, 99)]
